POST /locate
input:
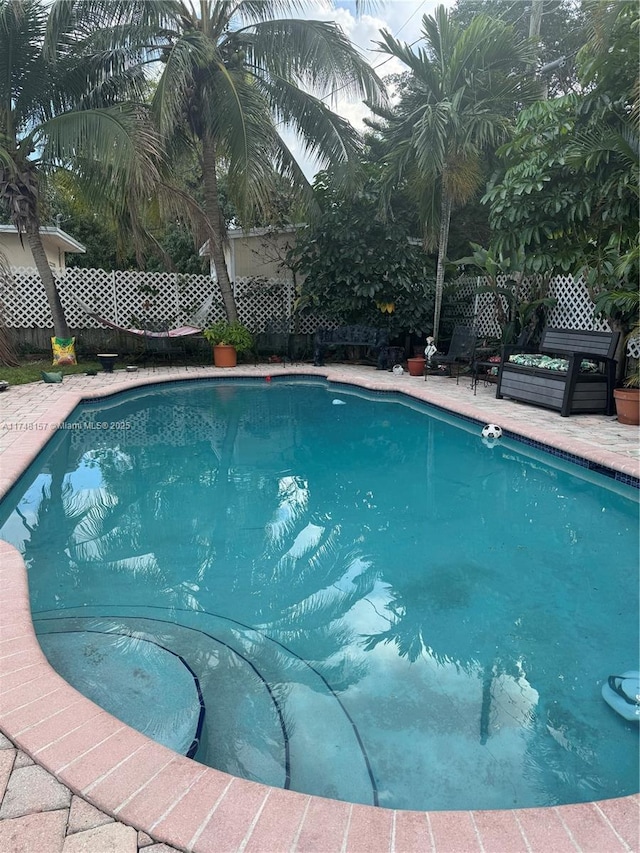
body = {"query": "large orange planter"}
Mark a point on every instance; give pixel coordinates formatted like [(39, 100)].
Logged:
[(225, 355), (628, 405), (416, 366)]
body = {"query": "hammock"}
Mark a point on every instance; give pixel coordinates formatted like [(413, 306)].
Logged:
[(179, 332)]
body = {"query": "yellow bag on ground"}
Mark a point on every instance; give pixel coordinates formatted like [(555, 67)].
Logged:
[(64, 351)]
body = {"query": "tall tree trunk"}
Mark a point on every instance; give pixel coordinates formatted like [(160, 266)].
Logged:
[(535, 19), (535, 23), (216, 228), (60, 327), (443, 242)]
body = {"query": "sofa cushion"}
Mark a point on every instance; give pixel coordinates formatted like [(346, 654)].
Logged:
[(547, 362)]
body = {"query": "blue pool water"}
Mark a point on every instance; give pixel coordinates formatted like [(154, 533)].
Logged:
[(345, 594)]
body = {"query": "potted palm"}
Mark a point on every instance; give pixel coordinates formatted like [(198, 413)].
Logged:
[(228, 339)]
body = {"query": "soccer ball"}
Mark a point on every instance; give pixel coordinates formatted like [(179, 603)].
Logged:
[(492, 431)]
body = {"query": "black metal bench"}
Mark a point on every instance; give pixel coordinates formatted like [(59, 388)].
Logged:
[(569, 391), (355, 336)]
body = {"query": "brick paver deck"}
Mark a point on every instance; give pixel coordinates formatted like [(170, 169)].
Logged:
[(73, 778)]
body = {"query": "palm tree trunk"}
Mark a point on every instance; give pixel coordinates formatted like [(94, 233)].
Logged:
[(216, 227), (443, 241), (60, 327)]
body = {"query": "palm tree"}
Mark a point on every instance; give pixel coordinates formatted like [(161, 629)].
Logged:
[(464, 86), (59, 110), (234, 76)]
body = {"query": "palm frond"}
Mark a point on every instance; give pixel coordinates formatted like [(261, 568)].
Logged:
[(324, 134), (315, 54), (112, 147), (591, 146), (287, 165)]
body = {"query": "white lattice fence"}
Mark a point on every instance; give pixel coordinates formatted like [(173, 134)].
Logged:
[(485, 310), (574, 308), (142, 298), (465, 291), (26, 301), (134, 298), (125, 297), (264, 303)]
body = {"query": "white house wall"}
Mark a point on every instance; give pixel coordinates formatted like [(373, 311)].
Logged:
[(55, 241), (259, 255), (20, 255)]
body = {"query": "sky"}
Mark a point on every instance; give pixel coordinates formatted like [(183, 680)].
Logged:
[(403, 20)]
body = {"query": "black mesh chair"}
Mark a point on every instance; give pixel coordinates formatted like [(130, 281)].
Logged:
[(161, 349), (275, 341), (461, 350), (482, 366)]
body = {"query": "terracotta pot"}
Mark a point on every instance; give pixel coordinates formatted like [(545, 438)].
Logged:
[(225, 356), (628, 405), (416, 366)]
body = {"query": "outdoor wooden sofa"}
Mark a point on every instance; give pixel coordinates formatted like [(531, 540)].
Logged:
[(360, 336), (573, 372)]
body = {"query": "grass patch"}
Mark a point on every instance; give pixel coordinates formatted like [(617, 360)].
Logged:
[(30, 371), (31, 366)]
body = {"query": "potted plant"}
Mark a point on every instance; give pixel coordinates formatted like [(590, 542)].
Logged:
[(627, 396), (612, 281), (628, 399), (620, 305), (416, 365), (228, 339)]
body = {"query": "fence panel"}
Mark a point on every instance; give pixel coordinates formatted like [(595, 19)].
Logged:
[(135, 298)]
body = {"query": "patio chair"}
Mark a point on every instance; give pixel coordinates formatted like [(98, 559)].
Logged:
[(486, 360), (275, 341), (162, 348), (461, 350)]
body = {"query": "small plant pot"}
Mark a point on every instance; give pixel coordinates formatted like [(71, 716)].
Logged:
[(416, 366), (107, 360), (628, 405), (225, 355)]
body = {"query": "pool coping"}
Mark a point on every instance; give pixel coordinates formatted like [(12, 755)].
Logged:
[(196, 808)]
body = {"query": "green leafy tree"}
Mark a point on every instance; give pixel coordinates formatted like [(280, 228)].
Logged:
[(98, 232), (61, 108), (568, 193), (234, 76), (465, 85), (570, 175), (176, 243), (562, 33), (356, 267)]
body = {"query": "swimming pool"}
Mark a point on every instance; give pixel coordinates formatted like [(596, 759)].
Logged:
[(412, 582)]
